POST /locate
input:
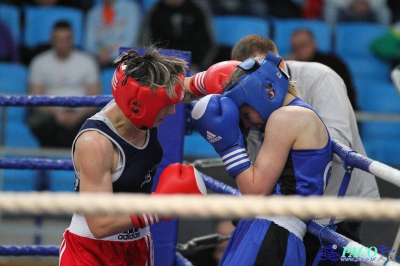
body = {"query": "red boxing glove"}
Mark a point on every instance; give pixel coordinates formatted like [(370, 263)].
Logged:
[(214, 79), (180, 179), (175, 179)]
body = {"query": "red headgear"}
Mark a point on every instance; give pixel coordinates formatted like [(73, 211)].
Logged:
[(141, 104)]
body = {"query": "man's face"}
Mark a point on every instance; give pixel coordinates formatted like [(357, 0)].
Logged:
[(62, 40), (303, 46)]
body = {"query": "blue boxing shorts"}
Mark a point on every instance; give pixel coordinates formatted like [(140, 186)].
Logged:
[(266, 241)]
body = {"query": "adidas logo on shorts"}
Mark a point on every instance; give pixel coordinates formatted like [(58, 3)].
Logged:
[(212, 138)]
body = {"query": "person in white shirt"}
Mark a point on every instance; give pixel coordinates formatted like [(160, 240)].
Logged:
[(61, 71)]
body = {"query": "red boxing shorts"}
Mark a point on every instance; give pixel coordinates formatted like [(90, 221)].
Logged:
[(79, 251)]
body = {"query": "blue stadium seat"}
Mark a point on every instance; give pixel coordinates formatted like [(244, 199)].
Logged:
[(352, 43), (13, 78), (14, 113), (385, 151), (365, 67), (10, 16), (377, 96), (230, 29), (18, 180), (284, 28), (39, 22), (381, 138), (61, 181), (106, 76), (18, 134), (354, 38), (14, 81)]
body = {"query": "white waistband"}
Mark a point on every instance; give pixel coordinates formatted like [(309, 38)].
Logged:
[(291, 223), (79, 227)]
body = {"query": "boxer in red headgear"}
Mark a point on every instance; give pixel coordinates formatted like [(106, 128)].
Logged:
[(117, 150), (142, 103)]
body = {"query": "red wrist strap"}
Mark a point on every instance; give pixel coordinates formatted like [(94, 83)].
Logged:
[(197, 84), (143, 220)]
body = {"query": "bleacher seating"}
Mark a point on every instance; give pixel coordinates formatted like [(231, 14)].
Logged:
[(13, 78), (230, 29), (17, 180), (354, 38), (352, 41), (39, 22), (61, 181), (14, 81), (381, 138)]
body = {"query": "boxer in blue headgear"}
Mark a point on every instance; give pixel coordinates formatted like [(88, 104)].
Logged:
[(295, 157), (263, 86)]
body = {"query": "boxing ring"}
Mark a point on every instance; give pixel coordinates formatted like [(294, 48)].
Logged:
[(226, 202)]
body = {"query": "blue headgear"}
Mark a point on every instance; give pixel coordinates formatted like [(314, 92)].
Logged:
[(251, 88)]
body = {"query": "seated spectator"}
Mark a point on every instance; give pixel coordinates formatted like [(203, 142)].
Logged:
[(304, 48), (182, 25), (9, 50), (387, 46), (356, 10), (109, 26), (61, 71)]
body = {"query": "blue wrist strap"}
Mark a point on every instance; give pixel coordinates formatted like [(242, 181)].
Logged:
[(236, 160)]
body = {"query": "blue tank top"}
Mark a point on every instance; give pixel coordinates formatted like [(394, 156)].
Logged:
[(139, 163), (306, 172)]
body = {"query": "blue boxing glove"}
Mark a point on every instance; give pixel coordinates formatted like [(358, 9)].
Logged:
[(216, 118)]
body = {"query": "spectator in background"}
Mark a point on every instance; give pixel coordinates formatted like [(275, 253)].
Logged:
[(387, 46), (182, 25), (304, 48), (356, 10), (61, 71), (109, 26), (9, 50)]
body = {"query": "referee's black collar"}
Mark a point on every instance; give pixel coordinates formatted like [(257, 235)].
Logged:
[(287, 69)]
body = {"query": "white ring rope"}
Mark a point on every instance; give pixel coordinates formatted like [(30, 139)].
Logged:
[(220, 206)]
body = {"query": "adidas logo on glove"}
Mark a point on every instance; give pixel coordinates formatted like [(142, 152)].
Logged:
[(212, 138)]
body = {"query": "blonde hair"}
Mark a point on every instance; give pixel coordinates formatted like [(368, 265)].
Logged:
[(292, 89)]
